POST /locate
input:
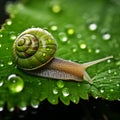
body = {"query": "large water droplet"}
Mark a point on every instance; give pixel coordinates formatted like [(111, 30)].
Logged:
[(55, 90), (60, 84), (70, 30), (15, 83), (10, 62), (1, 82), (65, 92), (13, 37), (1, 63), (92, 26), (83, 46), (1, 35), (102, 91), (106, 36), (35, 103), (9, 22), (97, 51), (62, 36), (54, 27), (56, 8), (111, 90), (1, 109)]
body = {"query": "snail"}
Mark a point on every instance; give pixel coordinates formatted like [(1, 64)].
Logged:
[(34, 52)]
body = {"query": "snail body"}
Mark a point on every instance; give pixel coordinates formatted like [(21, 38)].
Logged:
[(34, 52)]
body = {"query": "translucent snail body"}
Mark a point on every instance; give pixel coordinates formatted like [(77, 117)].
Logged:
[(34, 51)]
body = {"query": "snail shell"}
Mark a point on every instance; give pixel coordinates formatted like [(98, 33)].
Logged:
[(34, 50)]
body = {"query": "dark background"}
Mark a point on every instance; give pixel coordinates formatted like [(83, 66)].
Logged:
[(92, 109)]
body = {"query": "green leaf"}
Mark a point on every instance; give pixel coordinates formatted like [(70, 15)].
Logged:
[(85, 31)]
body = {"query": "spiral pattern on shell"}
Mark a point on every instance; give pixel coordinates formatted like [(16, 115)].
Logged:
[(34, 48)]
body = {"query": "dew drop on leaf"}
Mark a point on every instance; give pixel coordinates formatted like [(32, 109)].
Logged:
[(1, 63), (23, 108), (34, 103), (1, 82), (54, 28), (106, 36), (1, 35), (56, 8), (10, 62), (102, 91), (109, 71), (62, 36), (117, 85), (11, 109), (111, 90), (55, 90), (15, 83), (1, 109), (60, 84), (0, 45), (65, 92), (83, 46), (9, 22), (92, 26), (97, 51), (13, 37), (70, 30)]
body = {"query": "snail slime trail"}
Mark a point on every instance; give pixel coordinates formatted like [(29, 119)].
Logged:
[(34, 52)]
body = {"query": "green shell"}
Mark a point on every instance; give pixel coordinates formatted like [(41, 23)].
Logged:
[(33, 48)]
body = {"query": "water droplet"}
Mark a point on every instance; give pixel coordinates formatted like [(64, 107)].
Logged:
[(11, 109), (74, 50), (111, 90), (10, 62), (55, 90), (89, 50), (118, 85), (24, 108), (0, 45), (39, 83), (118, 63), (13, 37), (109, 71), (102, 91), (9, 22), (54, 28), (92, 26), (15, 83), (96, 97), (60, 84), (70, 30), (56, 8), (1, 109), (1, 35), (83, 46), (1, 83), (65, 92), (62, 36), (106, 36), (108, 61), (1, 63), (35, 103), (97, 51), (78, 84)]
